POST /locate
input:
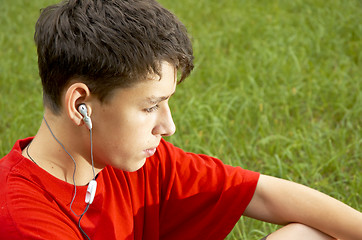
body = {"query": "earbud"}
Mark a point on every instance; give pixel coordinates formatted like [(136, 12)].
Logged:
[(83, 110)]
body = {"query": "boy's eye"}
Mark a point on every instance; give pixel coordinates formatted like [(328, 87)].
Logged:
[(151, 109)]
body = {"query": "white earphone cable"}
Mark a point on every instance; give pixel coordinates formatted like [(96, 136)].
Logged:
[(75, 168)]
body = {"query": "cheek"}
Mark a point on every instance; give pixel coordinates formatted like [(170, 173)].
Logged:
[(113, 153), (122, 137), (122, 132)]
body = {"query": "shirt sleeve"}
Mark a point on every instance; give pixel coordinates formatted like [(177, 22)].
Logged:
[(202, 198)]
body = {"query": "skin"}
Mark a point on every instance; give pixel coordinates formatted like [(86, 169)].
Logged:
[(128, 128), (283, 202), (298, 231)]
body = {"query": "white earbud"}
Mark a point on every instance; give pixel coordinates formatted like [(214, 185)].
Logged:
[(83, 110)]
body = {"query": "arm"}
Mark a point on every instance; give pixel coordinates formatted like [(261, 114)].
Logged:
[(282, 202), (297, 231)]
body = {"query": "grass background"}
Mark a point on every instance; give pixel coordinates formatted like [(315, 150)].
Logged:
[(277, 89)]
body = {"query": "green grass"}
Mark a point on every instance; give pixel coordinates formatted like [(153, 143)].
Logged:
[(277, 89)]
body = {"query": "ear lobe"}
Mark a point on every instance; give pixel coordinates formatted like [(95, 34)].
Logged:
[(76, 94)]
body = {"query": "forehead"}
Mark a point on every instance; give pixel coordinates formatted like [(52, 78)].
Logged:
[(153, 88)]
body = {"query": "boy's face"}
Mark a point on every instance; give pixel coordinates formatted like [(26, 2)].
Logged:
[(128, 129)]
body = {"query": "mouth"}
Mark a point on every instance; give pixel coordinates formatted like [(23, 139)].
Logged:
[(149, 152)]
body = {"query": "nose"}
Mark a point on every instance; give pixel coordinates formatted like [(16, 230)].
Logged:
[(165, 125)]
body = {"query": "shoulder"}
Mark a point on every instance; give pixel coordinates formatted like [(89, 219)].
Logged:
[(205, 185), (12, 197), (24, 200), (186, 167), (11, 167), (173, 156)]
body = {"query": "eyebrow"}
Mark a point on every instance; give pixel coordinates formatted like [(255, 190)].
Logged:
[(154, 99)]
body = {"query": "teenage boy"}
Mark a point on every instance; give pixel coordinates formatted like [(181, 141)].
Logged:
[(98, 167)]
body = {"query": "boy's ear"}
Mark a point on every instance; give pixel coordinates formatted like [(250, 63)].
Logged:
[(76, 94)]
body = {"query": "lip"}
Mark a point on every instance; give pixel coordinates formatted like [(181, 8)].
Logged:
[(149, 152)]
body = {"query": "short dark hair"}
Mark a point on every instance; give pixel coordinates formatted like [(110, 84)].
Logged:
[(107, 44)]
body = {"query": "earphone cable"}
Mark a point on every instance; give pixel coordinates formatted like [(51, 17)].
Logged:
[(91, 146), (80, 218), (75, 166)]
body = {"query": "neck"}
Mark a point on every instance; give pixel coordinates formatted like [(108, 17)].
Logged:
[(64, 154)]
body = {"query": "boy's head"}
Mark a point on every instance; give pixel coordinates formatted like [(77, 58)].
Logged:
[(107, 44)]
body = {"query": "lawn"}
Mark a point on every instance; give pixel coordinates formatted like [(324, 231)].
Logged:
[(277, 89)]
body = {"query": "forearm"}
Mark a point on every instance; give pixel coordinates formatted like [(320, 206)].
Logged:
[(279, 201)]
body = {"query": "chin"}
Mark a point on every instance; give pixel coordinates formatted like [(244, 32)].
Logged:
[(133, 166)]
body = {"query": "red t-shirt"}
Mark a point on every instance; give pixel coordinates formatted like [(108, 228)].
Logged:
[(175, 195)]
